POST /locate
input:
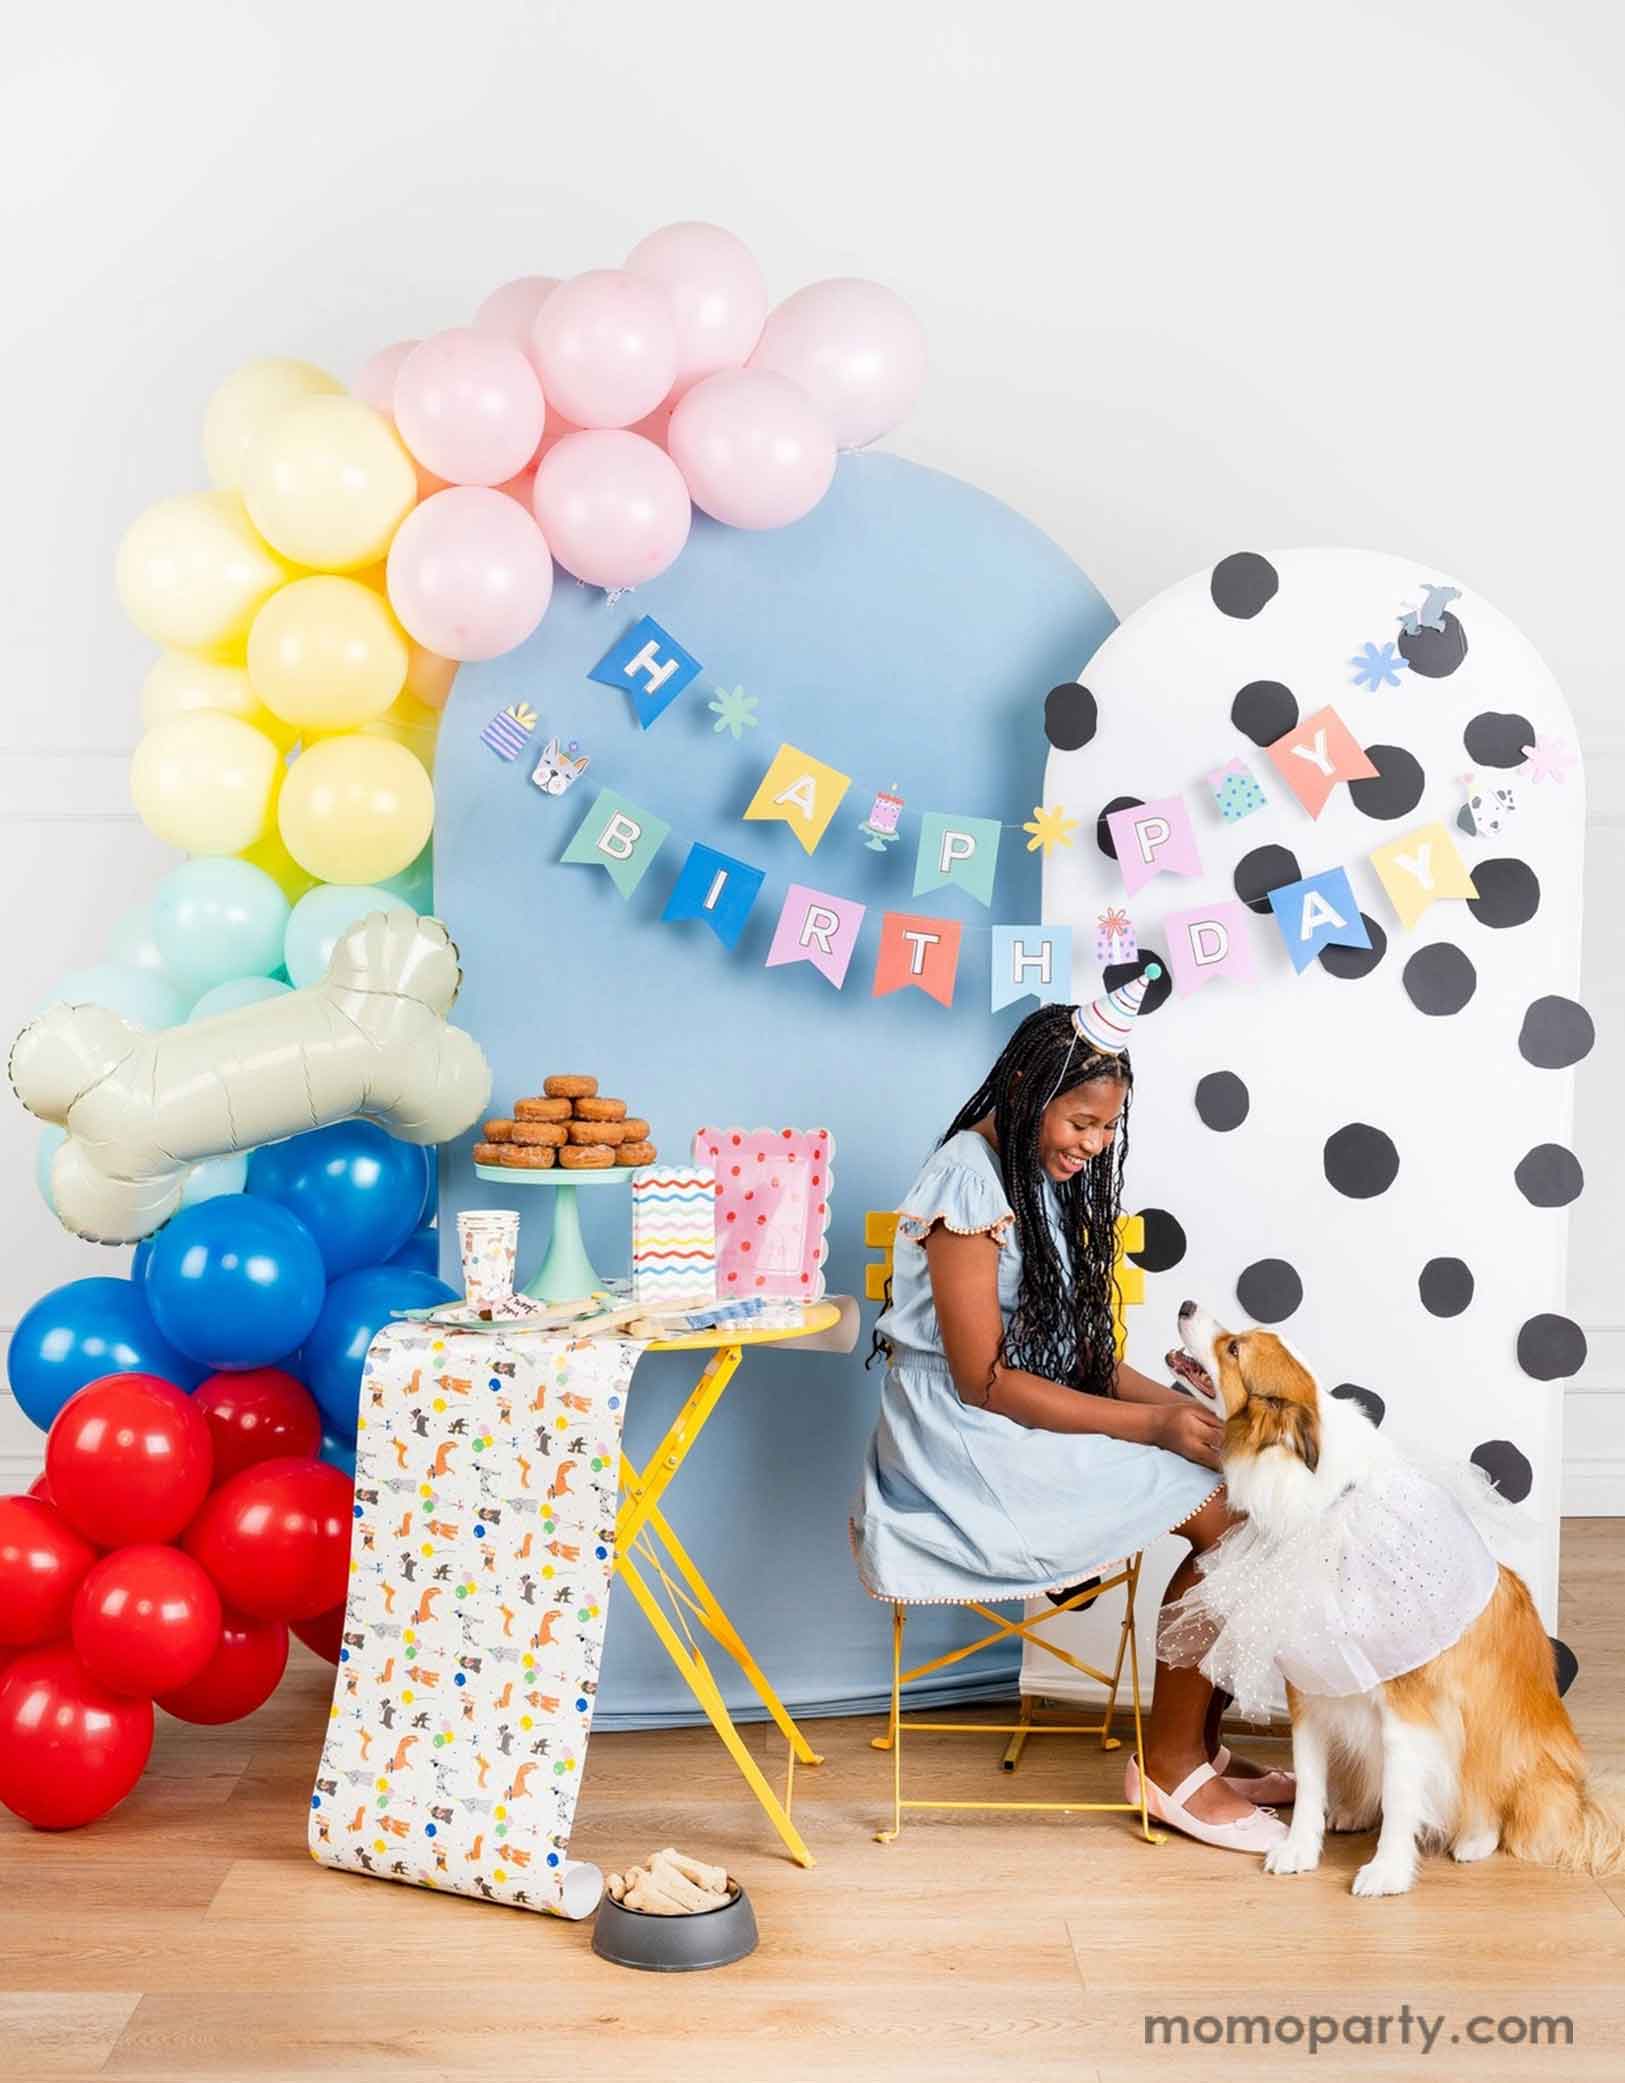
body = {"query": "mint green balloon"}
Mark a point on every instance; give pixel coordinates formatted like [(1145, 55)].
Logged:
[(415, 883), (242, 990), (133, 941), (145, 997), (215, 920), (320, 920), (215, 1175)]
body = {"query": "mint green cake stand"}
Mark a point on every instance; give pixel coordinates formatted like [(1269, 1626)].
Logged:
[(566, 1273)]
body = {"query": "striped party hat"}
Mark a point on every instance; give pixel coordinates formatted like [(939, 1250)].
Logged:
[(1107, 1022)]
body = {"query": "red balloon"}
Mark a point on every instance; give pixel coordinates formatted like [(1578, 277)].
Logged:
[(146, 1620), (261, 1414), (276, 1539), (128, 1459), (324, 1634), (69, 1749), (241, 1675), (39, 1487), (42, 1559)]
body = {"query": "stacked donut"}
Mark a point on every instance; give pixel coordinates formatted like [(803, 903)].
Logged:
[(568, 1124)]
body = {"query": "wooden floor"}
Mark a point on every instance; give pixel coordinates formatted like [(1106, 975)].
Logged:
[(190, 1935)]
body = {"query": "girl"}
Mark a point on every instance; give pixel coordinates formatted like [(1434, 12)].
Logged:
[(1014, 1453)]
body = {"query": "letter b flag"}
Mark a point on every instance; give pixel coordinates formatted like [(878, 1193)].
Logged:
[(616, 834)]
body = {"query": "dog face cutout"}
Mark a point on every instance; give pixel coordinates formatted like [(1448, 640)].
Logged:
[(1263, 1390)]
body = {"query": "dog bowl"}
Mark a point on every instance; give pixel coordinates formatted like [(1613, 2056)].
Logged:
[(675, 1945)]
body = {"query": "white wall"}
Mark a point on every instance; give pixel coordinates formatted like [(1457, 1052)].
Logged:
[(1196, 277)]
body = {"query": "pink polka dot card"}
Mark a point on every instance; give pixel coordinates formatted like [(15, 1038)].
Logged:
[(773, 1191)]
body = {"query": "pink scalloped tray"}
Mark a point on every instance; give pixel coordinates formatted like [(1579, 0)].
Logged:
[(773, 1196)]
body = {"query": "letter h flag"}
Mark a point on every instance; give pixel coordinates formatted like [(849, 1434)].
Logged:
[(1033, 961), (650, 665)]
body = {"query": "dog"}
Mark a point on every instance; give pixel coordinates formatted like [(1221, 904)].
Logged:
[(1472, 1747)]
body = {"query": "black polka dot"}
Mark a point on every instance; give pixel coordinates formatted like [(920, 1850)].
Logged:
[(1222, 1100), (1434, 653), (1497, 738), (1103, 831), (1367, 1399), (1071, 716), (1446, 1286), (1360, 1161), (1555, 1033), (1506, 1468), (1551, 1348), (1439, 979), (1157, 992), (1396, 787), (1355, 962), (1266, 868), (1550, 1176), (1508, 893), (1243, 584), (1264, 710), (1164, 1245), (1269, 1290), (1565, 1665)]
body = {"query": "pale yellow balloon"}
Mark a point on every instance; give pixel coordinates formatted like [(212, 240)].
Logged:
[(181, 682), (410, 723), (206, 782), (193, 573), (429, 676), (326, 654), (248, 402), (329, 483), (355, 809), (274, 858)]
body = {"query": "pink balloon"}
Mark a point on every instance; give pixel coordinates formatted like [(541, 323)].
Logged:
[(429, 676), (520, 486), (469, 407), (606, 346), (753, 450), (509, 313), (375, 385), (855, 348), (558, 429), (717, 292), (613, 507), (656, 425), (469, 573)]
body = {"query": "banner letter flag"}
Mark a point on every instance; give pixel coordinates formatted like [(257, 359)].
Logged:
[(1154, 839), (1419, 869), (1206, 942), (617, 835), (817, 928), (650, 665), (1318, 912), (1032, 961), (1321, 752), (715, 887), (801, 792), (919, 951), (960, 850)]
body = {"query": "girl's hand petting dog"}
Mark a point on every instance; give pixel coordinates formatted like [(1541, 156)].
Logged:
[(1187, 1429)]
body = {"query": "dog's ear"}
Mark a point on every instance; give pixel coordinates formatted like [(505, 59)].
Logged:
[(1303, 1423)]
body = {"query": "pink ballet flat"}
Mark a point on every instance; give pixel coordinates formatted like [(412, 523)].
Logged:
[(1257, 1832), (1278, 1788)]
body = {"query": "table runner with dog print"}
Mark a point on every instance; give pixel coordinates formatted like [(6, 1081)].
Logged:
[(487, 1475)]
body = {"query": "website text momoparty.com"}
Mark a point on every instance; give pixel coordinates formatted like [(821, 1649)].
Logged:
[(1317, 2030)]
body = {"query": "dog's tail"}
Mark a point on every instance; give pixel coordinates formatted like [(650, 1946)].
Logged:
[(1574, 1824)]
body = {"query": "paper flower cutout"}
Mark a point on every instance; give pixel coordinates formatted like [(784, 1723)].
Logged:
[(1049, 828), (734, 709), (1374, 668), (1548, 759)]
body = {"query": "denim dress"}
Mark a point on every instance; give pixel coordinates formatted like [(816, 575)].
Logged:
[(960, 1503)]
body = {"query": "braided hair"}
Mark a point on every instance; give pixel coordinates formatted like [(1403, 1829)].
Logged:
[(1062, 1326)]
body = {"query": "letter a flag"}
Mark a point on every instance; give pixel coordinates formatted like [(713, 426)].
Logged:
[(801, 792), (962, 850), (1154, 839), (617, 835), (1318, 912), (1312, 759), (715, 887), (1207, 942), (1032, 961), (1419, 869), (817, 928), (919, 951)]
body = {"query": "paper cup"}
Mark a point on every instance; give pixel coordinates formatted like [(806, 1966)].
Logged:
[(489, 1241)]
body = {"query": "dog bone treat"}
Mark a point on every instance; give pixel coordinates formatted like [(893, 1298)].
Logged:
[(498, 1131), (570, 1088), (585, 1157), (534, 1132), (635, 1153), (590, 1109), (671, 1885), (526, 1157), (595, 1132), (540, 1110)]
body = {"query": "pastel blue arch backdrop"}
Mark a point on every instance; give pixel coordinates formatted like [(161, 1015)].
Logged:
[(906, 632)]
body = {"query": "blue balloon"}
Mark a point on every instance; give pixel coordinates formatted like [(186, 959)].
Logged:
[(338, 1455), (421, 1252), (358, 1191), (82, 1331), (235, 1281), (357, 1308), (138, 1263)]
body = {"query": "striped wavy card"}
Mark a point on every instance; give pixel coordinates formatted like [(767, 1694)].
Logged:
[(674, 1235)]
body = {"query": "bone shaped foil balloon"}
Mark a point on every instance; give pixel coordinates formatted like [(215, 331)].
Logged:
[(140, 1109)]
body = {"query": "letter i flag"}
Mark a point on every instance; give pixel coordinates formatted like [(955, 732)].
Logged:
[(716, 888), (1153, 839), (799, 791), (618, 836), (923, 952), (1032, 961), (817, 928), (1321, 752)]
